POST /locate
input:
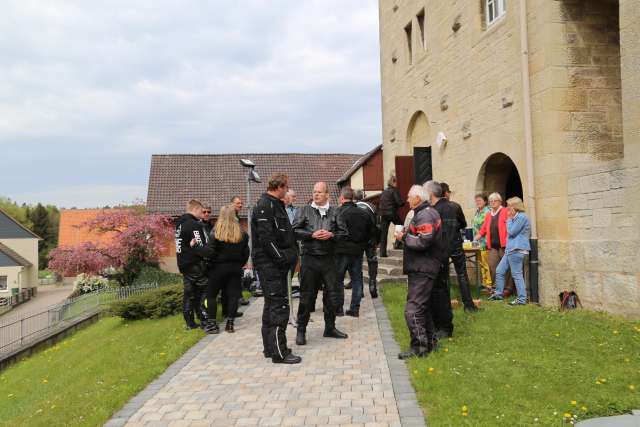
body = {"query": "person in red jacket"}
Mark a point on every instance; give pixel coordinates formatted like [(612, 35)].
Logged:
[(495, 230)]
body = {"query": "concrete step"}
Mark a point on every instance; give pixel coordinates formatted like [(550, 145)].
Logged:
[(389, 270), (385, 278), (392, 261)]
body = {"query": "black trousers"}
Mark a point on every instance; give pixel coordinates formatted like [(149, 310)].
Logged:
[(195, 285), (317, 272), (224, 277), (384, 231), (417, 312), (460, 264), (275, 315), (372, 263), (441, 302)]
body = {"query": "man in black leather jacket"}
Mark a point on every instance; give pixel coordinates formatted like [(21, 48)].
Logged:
[(453, 221), (390, 202), (350, 248), (370, 250), (273, 250), (316, 227), (191, 260)]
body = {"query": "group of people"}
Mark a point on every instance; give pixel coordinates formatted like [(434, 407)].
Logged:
[(433, 236), (328, 241), (211, 260)]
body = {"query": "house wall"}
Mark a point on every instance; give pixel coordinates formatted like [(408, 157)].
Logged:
[(28, 249), (585, 111), (13, 277)]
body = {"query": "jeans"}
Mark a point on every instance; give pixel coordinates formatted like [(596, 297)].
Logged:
[(352, 264), (513, 262)]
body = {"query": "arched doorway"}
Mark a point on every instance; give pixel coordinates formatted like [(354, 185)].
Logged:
[(499, 174)]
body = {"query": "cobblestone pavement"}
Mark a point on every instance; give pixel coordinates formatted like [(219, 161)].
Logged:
[(225, 380)]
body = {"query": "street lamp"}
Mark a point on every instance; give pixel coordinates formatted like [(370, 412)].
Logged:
[(252, 176)]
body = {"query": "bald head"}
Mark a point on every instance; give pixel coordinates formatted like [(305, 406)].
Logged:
[(320, 193)]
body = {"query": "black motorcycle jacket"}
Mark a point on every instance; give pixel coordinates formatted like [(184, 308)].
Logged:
[(272, 238), (307, 221)]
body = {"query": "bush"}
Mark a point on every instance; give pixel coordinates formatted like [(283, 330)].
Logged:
[(86, 283), (151, 274), (154, 304)]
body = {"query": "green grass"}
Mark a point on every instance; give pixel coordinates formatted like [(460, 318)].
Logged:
[(518, 366), (84, 379)]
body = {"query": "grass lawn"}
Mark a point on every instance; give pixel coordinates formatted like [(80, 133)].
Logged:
[(524, 366), (84, 379)]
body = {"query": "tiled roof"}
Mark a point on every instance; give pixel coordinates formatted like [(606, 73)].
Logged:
[(12, 229), (216, 178), (70, 231), (361, 161), (10, 258)]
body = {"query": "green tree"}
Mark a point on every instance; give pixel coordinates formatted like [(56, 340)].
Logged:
[(17, 212), (42, 227)]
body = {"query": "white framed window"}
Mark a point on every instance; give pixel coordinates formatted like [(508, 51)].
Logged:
[(3, 283), (493, 10)]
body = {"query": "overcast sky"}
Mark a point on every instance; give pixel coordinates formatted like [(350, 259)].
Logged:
[(90, 89)]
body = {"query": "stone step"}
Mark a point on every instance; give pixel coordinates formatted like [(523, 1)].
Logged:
[(393, 261), (389, 270), (384, 278)]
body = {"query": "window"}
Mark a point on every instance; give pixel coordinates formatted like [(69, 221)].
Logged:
[(3, 283), (408, 31), (493, 9), (421, 22)]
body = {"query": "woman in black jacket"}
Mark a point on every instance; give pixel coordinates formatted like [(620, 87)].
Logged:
[(231, 251)]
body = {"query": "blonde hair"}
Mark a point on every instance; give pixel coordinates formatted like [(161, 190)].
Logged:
[(227, 227), (194, 204), (516, 204)]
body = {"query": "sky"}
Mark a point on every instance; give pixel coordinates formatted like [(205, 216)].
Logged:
[(89, 90)]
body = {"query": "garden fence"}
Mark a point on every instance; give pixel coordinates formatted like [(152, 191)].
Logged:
[(19, 332)]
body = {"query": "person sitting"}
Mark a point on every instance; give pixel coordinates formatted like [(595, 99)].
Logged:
[(518, 246)]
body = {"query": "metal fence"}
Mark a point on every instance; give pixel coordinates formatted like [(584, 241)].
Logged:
[(18, 332)]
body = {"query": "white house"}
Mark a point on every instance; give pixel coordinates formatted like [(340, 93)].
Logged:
[(18, 257)]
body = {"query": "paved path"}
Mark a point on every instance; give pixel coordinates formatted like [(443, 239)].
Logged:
[(47, 296), (225, 381)]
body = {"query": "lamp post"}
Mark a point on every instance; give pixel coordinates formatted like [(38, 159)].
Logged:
[(252, 176)]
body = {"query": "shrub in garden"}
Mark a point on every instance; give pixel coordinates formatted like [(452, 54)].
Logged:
[(161, 302), (86, 283), (150, 274)]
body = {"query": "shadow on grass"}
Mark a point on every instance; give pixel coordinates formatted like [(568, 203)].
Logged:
[(524, 365)]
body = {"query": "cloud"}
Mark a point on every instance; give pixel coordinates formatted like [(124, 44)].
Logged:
[(93, 89)]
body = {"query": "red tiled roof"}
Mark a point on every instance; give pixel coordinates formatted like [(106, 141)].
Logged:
[(216, 178), (70, 231)]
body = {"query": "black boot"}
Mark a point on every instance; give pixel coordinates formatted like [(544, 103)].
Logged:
[(413, 352), (289, 359), (229, 327), (334, 333), (301, 339), (211, 327), (353, 313)]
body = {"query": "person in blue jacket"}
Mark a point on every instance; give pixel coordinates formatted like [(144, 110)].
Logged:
[(518, 247)]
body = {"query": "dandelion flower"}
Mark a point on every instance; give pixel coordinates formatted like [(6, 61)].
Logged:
[(567, 415), (446, 349), (415, 372), (598, 382), (574, 403), (584, 408), (431, 370), (603, 380), (10, 395), (465, 409), (44, 381), (615, 332), (632, 387), (626, 359), (464, 414)]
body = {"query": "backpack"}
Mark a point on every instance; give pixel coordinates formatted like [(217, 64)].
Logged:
[(569, 300)]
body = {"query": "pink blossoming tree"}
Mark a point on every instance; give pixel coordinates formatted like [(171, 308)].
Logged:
[(138, 239)]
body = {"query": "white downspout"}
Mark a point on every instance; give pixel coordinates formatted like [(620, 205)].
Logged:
[(526, 111)]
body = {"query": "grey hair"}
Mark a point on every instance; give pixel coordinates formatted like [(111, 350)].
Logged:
[(433, 188), (359, 195), (419, 191), (347, 193), (392, 181), (495, 196)]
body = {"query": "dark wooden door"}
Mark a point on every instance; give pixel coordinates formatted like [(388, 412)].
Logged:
[(406, 178), (422, 164)]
